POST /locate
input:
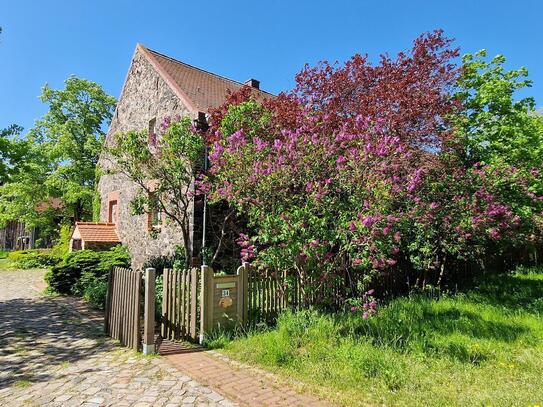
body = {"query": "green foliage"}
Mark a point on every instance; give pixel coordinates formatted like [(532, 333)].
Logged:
[(65, 276), (159, 287), (60, 157), (95, 292), (170, 159), (249, 116), (62, 245), (31, 259), (96, 206), (117, 256), (85, 268), (159, 263), (483, 346), (496, 127), (12, 151)]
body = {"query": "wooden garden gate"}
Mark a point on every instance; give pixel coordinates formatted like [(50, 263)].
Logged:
[(180, 317), (123, 307)]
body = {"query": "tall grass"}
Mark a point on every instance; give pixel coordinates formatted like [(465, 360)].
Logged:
[(482, 347)]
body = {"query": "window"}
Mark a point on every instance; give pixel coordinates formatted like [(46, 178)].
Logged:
[(76, 245), (154, 219), (112, 212), (152, 131)]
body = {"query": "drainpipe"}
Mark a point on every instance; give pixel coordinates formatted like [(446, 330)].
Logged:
[(202, 123), (204, 220)]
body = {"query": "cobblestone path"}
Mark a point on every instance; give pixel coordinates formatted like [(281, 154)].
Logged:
[(52, 355)]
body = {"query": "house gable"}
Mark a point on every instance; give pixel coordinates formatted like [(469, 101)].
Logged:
[(146, 96), (156, 86)]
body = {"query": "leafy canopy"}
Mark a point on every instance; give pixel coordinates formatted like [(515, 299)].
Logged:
[(496, 127), (60, 161), (413, 165), (164, 166)]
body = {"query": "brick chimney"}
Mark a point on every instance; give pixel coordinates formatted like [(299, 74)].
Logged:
[(253, 83)]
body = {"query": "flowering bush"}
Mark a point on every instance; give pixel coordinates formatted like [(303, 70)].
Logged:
[(361, 168), (367, 305)]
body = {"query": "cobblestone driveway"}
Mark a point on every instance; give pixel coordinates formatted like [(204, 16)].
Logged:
[(52, 355)]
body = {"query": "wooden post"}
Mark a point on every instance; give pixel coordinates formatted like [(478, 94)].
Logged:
[(149, 312), (165, 291), (206, 302), (243, 293), (136, 311), (107, 317), (194, 301)]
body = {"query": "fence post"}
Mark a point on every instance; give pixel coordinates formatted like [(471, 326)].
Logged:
[(149, 312), (206, 302), (243, 293), (107, 317)]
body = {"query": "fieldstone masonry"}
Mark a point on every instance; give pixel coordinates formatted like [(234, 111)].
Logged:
[(145, 96)]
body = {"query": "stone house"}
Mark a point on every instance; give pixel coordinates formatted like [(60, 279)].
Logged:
[(155, 87)]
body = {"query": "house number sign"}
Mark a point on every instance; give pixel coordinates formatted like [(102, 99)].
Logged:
[(225, 300)]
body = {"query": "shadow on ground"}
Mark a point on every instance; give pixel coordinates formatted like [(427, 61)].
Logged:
[(39, 336)]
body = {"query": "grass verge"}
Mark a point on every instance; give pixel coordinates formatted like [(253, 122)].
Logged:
[(482, 347)]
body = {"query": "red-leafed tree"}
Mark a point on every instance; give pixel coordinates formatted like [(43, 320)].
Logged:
[(409, 96), (354, 172)]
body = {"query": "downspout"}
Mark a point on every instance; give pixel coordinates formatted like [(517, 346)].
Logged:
[(204, 217), (202, 122)]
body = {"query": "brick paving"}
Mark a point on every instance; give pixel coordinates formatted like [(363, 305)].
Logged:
[(242, 384), (53, 355)]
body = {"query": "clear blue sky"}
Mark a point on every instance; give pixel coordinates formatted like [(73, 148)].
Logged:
[(46, 41)]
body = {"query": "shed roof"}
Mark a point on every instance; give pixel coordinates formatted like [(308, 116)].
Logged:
[(97, 232)]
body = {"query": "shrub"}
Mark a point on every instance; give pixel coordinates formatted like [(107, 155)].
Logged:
[(34, 258), (118, 256), (175, 260), (95, 292), (334, 179), (64, 277), (62, 245), (83, 272)]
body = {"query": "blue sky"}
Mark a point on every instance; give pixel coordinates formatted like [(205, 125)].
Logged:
[(46, 41)]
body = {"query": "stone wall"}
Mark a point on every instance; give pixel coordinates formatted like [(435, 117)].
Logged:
[(145, 96)]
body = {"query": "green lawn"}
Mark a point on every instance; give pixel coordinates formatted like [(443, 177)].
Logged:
[(483, 347)]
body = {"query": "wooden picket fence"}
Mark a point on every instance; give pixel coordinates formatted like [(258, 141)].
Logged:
[(123, 307), (270, 293), (180, 304), (265, 297), (196, 301)]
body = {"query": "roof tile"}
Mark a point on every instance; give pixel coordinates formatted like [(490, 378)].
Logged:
[(97, 232), (204, 89)]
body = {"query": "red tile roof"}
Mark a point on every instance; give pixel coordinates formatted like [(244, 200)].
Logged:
[(97, 232), (198, 89), (52, 203)]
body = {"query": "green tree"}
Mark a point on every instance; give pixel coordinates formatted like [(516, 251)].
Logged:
[(63, 150), (12, 152), (164, 167), (495, 127), (11, 149)]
